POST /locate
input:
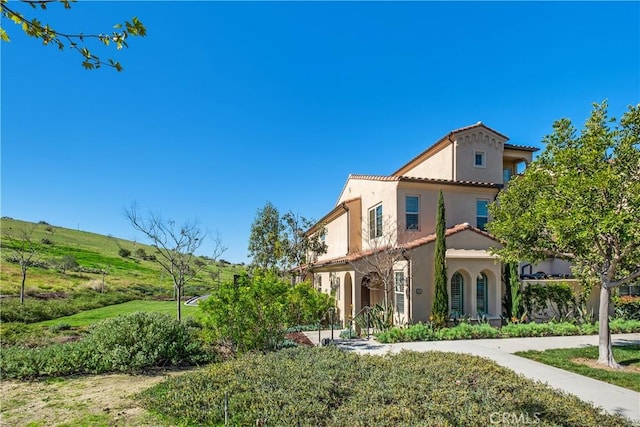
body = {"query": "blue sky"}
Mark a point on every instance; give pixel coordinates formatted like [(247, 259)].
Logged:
[(227, 105)]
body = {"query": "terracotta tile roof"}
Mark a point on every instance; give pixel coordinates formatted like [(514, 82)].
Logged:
[(479, 124), (449, 181), (405, 246), (374, 177), (521, 147), (448, 136)]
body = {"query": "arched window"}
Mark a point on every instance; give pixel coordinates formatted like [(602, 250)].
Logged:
[(457, 293), (481, 293)]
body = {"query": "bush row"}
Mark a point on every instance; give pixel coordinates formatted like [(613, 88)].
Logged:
[(121, 344), (33, 311), (328, 387), (627, 307), (426, 331)]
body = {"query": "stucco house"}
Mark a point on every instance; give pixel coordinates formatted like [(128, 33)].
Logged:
[(394, 216)]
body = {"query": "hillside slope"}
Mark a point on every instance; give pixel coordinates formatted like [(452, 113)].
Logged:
[(93, 253)]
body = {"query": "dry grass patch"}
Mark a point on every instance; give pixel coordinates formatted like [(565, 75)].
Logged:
[(95, 400)]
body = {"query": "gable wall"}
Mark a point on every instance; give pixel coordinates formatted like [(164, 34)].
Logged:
[(439, 165), (466, 143)]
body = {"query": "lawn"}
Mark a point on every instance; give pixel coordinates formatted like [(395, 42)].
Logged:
[(92, 316), (626, 355)]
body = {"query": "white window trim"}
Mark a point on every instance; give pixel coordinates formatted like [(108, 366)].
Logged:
[(484, 159), (377, 232), (399, 292)]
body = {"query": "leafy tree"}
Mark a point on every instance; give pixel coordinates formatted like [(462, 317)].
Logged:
[(441, 299), (175, 246), (76, 41), (248, 314), (266, 239), (298, 245), (306, 305), (252, 313), (25, 251), (580, 201), (67, 262)]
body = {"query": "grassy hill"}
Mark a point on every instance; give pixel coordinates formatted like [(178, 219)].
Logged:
[(94, 253)]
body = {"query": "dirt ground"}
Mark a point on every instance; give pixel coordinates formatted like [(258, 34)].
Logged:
[(592, 363), (100, 400)]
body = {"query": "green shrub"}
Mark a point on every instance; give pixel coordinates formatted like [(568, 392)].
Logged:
[(122, 344), (62, 326), (124, 253), (308, 305), (23, 334), (254, 313), (250, 314), (328, 387), (425, 332), (621, 326), (33, 310), (627, 307), (558, 298), (348, 334), (141, 340)]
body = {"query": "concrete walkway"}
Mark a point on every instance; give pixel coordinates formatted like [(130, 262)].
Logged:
[(613, 399)]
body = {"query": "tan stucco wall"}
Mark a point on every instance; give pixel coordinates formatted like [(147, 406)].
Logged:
[(336, 237), (422, 269), (479, 139), (459, 203), (372, 193), (439, 165)]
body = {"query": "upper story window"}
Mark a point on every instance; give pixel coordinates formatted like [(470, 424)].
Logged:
[(482, 213), (506, 175), (412, 212), (375, 222), (479, 159)]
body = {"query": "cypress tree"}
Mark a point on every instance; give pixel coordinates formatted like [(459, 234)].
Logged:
[(441, 299)]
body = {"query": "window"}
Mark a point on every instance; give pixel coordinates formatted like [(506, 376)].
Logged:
[(457, 293), (412, 215), (334, 283), (481, 293), (482, 213), (479, 159), (630, 290), (375, 222), (399, 287), (506, 175), (319, 282)]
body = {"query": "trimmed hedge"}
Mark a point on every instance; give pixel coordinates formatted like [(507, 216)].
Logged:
[(329, 387), (128, 343), (463, 331)]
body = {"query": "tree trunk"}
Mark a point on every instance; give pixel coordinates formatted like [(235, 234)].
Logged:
[(178, 298), (605, 353), (24, 279)]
